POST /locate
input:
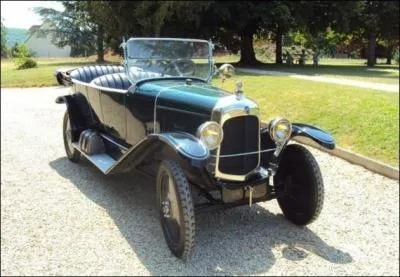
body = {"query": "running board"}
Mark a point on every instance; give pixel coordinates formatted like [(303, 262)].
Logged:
[(102, 161)]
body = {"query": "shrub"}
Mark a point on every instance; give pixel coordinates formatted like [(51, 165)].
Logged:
[(354, 55), (25, 63), (20, 51), (265, 52), (296, 51)]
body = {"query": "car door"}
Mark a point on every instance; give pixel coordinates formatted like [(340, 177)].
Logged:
[(113, 109), (93, 97)]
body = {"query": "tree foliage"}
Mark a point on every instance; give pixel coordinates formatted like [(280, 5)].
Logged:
[(4, 50), (69, 27), (231, 25)]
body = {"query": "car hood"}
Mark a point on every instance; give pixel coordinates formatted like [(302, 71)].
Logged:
[(197, 97)]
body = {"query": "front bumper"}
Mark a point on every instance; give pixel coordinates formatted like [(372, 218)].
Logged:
[(258, 177)]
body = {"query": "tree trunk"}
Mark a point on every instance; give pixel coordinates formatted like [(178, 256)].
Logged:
[(371, 50), (247, 56), (100, 44), (389, 54), (278, 50)]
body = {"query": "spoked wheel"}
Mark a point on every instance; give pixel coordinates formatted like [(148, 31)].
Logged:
[(72, 154), (299, 185), (175, 205)]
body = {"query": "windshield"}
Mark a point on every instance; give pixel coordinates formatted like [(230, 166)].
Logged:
[(147, 58)]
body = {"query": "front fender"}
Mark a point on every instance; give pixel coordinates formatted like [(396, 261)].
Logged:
[(319, 136), (185, 145)]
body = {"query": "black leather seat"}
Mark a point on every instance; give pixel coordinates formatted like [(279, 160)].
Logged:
[(116, 80), (88, 73)]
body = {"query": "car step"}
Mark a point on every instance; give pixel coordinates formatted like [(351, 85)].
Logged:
[(102, 161)]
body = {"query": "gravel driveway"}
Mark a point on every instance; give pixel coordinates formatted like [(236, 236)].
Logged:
[(60, 218)]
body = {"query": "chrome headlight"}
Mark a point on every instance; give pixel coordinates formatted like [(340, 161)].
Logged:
[(210, 133), (280, 130)]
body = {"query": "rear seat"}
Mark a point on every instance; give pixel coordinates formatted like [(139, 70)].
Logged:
[(88, 73), (111, 76)]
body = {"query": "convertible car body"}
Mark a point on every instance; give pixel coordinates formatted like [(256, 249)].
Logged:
[(159, 114)]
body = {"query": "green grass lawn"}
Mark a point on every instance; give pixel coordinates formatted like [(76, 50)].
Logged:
[(361, 120)]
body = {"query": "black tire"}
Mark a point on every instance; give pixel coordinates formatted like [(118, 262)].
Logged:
[(72, 154), (179, 227), (299, 185)]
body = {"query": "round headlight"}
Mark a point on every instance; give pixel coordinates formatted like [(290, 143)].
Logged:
[(210, 133), (280, 129)]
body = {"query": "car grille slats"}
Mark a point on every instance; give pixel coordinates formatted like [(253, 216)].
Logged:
[(241, 135)]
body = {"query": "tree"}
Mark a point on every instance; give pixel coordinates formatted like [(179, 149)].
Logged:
[(234, 25), (115, 19), (370, 25), (279, 21), (4, 49), (70, 27), (378, 20), (389, 27), (241, 20)]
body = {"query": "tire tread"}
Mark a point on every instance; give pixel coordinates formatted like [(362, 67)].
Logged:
[(302, 155), (185, 196)]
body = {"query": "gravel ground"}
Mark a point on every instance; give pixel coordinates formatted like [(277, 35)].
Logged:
[(60, 218)]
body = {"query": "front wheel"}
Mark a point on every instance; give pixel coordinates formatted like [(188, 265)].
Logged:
[(175, 205), (299, 185)]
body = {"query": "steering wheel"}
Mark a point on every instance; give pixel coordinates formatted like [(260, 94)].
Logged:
[(181, 66)]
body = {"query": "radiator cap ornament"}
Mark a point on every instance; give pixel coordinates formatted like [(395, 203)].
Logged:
[(239, 91)]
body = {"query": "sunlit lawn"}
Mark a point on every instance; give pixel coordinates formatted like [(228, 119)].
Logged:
[(362, 120)]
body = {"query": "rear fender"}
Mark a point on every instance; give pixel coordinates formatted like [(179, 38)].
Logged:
[(319, 136), (79, 119), (62, 76)]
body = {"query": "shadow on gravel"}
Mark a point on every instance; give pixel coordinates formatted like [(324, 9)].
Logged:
[(238, 241)]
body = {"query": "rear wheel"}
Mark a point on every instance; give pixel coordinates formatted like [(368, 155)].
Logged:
[(299, 185), (72, 154), (175, 205)]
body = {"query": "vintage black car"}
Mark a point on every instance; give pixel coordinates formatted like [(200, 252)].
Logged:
[(159, 114)]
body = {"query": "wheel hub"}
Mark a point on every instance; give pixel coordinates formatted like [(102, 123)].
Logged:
[(166, 208)]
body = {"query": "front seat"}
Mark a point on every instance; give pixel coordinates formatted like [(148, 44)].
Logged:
[(115, 81)]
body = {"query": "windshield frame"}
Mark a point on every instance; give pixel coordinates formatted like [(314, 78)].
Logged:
[(210, 59)]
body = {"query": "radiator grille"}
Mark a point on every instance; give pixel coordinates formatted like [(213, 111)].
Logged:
[(241, 135)]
